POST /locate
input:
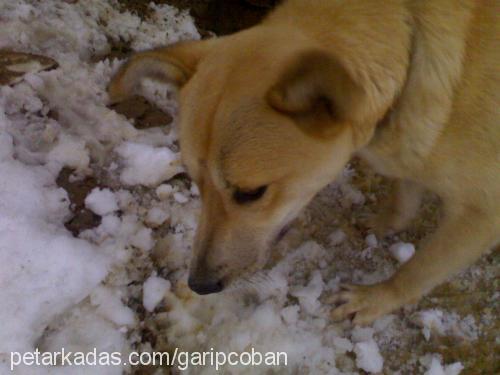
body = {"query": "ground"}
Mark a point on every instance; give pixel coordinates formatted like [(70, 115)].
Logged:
[(145, 220)]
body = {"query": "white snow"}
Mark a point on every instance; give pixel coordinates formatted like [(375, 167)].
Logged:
[(43, 270), (308, 295), (154, 291), (110, 306), (342, 345), (371, 240), (101, 201), (164, 191), (84, 330), (147, 165), (290, 314), (402, 251), (156, 217), (181, 198), (368, 357), (70, 152), (143, 239), (55, 119), (441, 323), (434, 366)]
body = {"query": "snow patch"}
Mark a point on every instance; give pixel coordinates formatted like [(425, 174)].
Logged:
[(147, 165), (101, 201), (434, 366), (154, 289), (368, 356)]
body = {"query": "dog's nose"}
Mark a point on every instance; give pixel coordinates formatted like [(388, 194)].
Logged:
[(203, 287)]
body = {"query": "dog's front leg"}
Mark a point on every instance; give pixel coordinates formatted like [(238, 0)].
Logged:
[(458, 242), (399, 210)]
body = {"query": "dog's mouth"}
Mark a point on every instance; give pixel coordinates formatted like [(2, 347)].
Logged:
[(246, 280), (282, 233)]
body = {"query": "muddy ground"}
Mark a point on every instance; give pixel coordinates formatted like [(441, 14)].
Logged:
[(218, 16)]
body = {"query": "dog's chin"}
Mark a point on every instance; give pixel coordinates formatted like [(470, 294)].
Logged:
[(282, 233), (248, 283), (252, 280)]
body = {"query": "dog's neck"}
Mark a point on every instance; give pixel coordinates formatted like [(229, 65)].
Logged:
[(411, 128), (410, 84)]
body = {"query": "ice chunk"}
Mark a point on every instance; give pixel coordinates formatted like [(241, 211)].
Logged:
[(164, 191), (101, 201), (402, 251), (156, 217), (154, 290), (143, 239), (180, 198), (368, 357), (147, 165)]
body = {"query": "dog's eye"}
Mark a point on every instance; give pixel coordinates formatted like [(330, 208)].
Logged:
[(245, 196)]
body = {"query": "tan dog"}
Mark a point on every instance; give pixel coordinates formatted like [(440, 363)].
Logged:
[(272, 114)]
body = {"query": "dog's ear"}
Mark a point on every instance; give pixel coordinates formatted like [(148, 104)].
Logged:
[(314, 87), (174, 64)]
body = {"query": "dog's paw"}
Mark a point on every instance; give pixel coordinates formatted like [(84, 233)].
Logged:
[(366, 302), (385, 223), (379, 224)]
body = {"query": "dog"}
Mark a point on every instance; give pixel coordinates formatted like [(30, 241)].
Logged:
[(270, 115)]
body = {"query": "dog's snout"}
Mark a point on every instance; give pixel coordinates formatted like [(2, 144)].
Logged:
[(205, 287)]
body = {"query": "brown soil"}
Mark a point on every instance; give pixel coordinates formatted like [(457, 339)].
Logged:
[(219, 16)]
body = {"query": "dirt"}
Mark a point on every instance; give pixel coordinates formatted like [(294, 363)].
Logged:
[(77, 189), (144, 114), (218, 16)]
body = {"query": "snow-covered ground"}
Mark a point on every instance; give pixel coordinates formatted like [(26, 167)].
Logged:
[(121, 286)]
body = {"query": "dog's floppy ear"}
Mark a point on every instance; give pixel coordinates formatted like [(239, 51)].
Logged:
[(173, 64), (314, 86)]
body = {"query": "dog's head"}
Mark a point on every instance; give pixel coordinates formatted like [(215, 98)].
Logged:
[(264, 126)]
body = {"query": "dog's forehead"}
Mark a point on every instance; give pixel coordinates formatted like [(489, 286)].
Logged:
[(254, 146), (228, 128)]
